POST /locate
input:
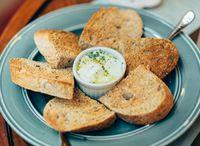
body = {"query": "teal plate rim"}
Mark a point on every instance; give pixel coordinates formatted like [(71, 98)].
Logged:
[(32, 140)]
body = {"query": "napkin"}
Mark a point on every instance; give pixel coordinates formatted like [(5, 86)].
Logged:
[(131, 3)]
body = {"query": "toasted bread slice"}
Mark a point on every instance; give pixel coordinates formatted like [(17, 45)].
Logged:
[(161, 55), (58, 47), (110, 26), (141, 98), (39, 77), (81, 114)]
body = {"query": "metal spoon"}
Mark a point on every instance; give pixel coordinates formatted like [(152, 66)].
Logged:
[(186, 19)]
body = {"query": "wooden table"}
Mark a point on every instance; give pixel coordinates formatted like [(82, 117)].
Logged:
[(27, 12)]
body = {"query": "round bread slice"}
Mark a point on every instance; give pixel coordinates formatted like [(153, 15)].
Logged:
[(141, 98), (110, 26), (81, 114)]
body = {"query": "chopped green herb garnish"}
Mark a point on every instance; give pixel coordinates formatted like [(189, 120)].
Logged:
[(96, 67)]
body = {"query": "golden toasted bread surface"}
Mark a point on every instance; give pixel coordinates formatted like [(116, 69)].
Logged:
[(110, 26), (58, 47), (141, 98), (80, 114), (40, 77), (161, 55)]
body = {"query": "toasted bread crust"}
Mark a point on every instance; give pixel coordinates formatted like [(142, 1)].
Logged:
[(161, 55), (98, 126), (158, 114), (39, 77), (111, 26), (141, 98), (81, 114), (58, 47)]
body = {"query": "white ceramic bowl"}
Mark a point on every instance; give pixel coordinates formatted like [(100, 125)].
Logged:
[(97, 90)]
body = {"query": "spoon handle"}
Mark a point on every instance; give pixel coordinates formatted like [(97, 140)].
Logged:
[(187, 18), (64, 141)]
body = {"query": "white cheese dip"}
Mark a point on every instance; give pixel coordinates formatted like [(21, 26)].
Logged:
[(99, 67)]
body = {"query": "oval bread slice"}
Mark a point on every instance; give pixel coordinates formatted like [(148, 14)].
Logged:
[(141, 98), (40, 77), (161, 55), (110, 26), (58, 47), (81, 114)]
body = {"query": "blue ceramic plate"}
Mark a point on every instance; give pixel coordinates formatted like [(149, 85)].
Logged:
[(22, 109)]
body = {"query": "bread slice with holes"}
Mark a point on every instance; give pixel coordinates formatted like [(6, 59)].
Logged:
[(81, 114), (40, 77), (58, 47), (141, 98), (110, 26), (161, 55)]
